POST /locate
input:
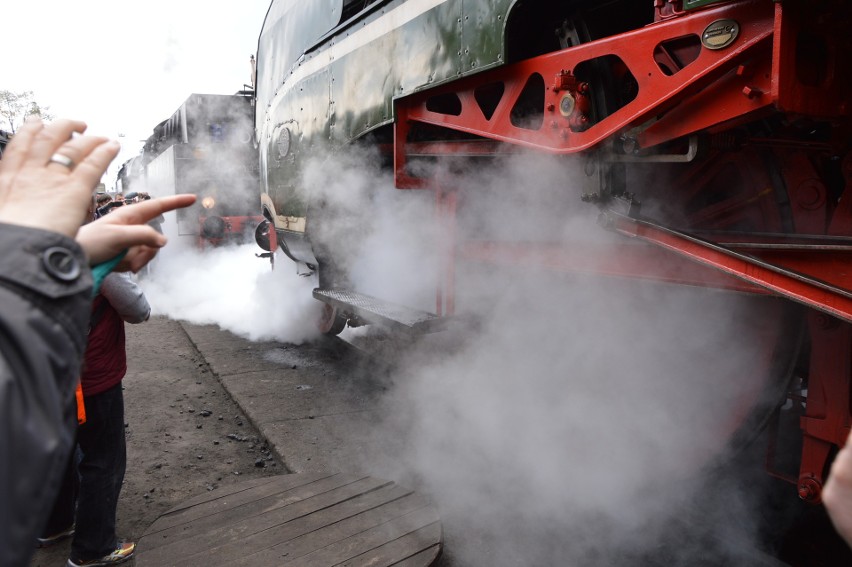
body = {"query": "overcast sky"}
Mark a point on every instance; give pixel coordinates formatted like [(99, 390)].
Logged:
[(124, 66)]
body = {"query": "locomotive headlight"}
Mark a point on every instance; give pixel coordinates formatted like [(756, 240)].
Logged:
[(208, 202)]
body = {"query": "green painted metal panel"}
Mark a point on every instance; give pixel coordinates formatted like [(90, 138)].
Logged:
[(290, 28), (483, 23), (304, 114), (342, 86), (415, 55), (690, 4)]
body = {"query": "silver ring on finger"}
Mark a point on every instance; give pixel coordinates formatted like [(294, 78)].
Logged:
[(62, 159)]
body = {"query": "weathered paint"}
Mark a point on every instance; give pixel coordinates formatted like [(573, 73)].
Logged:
[(340, 85)]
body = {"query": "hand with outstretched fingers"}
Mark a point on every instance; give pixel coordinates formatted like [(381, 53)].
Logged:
[(126, 228), (48, 173)]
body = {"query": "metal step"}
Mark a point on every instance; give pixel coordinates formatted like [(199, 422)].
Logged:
[(373, 310)]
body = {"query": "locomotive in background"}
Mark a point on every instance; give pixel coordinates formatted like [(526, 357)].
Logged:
[(206, 147)]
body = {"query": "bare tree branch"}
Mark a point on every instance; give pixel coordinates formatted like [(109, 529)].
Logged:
[(14, 107)]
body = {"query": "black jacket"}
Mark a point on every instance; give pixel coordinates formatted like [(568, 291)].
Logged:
[(45, 299)]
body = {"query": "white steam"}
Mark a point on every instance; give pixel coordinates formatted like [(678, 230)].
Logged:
[(196, 281), (232, 288), (593, 408), (571, 425), (383, 239)]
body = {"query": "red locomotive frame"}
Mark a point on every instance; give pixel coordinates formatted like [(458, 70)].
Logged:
[(767, 69)]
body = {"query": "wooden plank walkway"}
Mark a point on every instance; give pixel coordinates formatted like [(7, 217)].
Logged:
[(304, 520)]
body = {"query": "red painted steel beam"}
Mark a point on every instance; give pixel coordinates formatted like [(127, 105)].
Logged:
[(825, 425), (798, 287), (658, 91), (821, 257), (615, 259), (831, 266), (730, 100), (829, 96)]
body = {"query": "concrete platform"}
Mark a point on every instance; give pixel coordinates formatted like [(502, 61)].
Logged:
[(316, 405)]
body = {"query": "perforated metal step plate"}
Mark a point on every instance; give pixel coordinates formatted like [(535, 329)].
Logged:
[(373, 310)]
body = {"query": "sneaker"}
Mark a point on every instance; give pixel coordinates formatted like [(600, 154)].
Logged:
[(122, 553), (55, 538)]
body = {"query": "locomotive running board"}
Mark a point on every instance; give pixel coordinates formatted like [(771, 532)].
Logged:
[(800, 287), (372, 310)]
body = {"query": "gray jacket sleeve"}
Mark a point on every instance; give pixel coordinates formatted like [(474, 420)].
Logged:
[(126, 297), (45, 301)]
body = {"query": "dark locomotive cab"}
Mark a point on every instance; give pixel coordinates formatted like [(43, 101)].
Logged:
[(207, 148)]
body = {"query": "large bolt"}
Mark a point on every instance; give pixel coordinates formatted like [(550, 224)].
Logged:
[(825, 321), (566, 105), (752, 92), (809, 195), (810, 490)]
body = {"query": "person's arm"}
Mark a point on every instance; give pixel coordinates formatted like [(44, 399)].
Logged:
[(837, 494), (125, 229), (126, 297), (45, 300)]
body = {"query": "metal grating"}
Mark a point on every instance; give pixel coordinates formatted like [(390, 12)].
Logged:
[(374, 310)]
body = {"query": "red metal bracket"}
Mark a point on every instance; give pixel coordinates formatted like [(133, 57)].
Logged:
[(658, 90), (826, 422), (802, 288)]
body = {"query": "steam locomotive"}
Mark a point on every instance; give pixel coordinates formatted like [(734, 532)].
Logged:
[(206, 148), (712, 136)]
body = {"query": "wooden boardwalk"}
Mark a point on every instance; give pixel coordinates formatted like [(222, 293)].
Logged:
[(297, 520)]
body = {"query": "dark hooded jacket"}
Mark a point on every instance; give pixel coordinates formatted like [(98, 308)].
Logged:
[(45, 299)]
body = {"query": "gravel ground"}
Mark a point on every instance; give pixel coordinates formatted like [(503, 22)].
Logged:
[(184, 433)]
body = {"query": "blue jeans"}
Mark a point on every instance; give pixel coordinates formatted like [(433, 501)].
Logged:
[(101, 467)]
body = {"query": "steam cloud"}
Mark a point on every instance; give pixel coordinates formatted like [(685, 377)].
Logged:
[(574, 424), (232, 288), (226, 285), (571, 424)]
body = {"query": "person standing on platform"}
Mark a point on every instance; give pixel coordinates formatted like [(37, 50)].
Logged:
[(101, 438)]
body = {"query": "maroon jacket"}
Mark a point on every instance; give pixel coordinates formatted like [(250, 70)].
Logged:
[(105, 363)]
